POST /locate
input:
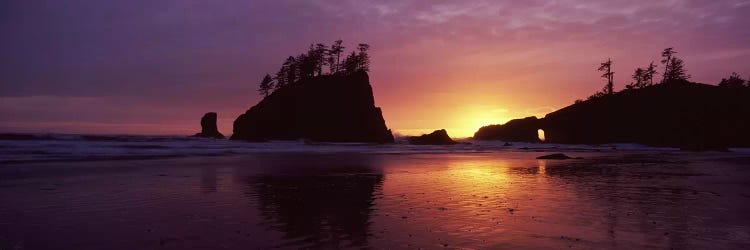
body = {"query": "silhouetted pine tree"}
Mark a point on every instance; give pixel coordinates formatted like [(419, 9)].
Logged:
[(675, 70), (319, 57), (363, 57), (638, 79), (335, 53), (667, 55), (357, 61), (596, 95), (266, 85), (290, 76), (280, 78), (286, 74), (305, 65), (310, 64), (734, 81), (648, 75), (609, 75), (350, 63)]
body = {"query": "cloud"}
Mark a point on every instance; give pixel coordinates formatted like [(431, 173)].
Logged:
[(212, 53)]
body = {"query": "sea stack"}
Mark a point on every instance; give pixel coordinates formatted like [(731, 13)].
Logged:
[(327, 108), (437, 137), (208, 127), (517, 130)]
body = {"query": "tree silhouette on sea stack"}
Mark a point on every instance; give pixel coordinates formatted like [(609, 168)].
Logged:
[(606, 67), (321, 95), (643, 77), (266, 85), (674, 68), (311, 64), (674, 72), (734, 81)]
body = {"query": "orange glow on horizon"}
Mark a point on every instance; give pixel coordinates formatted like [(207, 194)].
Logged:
[(434, 65), (461, 122)]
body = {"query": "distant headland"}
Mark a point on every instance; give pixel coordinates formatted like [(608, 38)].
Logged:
[(673, 112)]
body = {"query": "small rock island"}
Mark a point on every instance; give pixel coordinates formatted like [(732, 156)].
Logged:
[(437, 137), (517, 130), (308, 104), (208, 127)]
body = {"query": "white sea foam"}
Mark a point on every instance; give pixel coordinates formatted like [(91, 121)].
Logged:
[(55, 147)]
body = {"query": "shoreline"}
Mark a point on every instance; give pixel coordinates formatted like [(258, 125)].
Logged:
[(460, 199)]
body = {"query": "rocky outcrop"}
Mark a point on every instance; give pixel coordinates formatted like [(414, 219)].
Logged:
[(437, 137), (557, 156), (676, 114), (329, 108), (209, 128), (518, 130)]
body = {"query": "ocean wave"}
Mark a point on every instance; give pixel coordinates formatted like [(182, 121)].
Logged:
[(102, 138), (20, 148)]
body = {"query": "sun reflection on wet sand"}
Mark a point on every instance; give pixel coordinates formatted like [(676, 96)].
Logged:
[(477, 201), (486, 201), (380, 201), (542, 167)]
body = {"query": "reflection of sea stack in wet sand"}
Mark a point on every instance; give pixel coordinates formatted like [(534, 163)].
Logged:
[(557, 156), (327, 210), (328, 108), (208, 127)]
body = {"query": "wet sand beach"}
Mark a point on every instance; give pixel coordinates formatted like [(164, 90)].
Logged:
[(490, 200)]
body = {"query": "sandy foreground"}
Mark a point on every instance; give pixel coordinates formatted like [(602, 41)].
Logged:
[(630, 200)]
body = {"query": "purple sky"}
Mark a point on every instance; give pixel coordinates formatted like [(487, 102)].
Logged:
[(154, 67)]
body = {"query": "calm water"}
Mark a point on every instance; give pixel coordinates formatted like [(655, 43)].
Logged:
[(353, 200)]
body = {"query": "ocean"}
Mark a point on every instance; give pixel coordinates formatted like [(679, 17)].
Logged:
[(180, 192), (19, 148)]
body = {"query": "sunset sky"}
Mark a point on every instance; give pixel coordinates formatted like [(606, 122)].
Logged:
[(154, 67)]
